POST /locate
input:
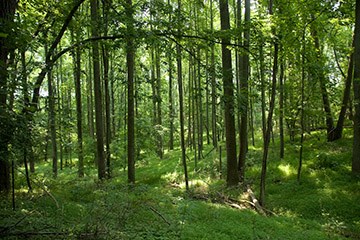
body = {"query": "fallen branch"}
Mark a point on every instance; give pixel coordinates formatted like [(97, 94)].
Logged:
[(6, 229), (159, 214), (47, 192), (256, 203)]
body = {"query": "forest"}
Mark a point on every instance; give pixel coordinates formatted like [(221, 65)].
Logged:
[(180, 119)]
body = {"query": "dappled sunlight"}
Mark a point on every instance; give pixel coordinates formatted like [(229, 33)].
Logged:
[(286, 169)]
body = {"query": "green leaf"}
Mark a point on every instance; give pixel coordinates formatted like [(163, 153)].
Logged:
[(3, 35)]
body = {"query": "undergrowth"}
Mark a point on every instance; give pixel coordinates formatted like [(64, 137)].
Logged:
[(323, 205)]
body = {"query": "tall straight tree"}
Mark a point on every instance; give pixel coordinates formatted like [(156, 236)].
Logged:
[(7, 11), (244, 97), (270, 114), (77, 76), (213, 82), (105, 55), (356, 83), (337, 134), (181, 99), (52, 120), (97, 91), (130, 62), (320, 74), (232, 173)]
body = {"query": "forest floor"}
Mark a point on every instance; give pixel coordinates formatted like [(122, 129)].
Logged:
[(325, 204)]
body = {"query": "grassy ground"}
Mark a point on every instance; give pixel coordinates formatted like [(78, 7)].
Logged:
[(325, 204)]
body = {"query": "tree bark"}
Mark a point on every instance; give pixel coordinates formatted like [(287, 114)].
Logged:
[(105, 54), (337, 133), (52, 121), (232, 174), (77, 75), (97, 92), (181, 101), (270, 115), (244, 97), (322, 80), (130, 58), (281, 109), (7, 11), (213, 83), (356, 84)]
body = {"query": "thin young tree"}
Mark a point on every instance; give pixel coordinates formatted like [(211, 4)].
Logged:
[(270, 114), (181, 99), (130, 62)]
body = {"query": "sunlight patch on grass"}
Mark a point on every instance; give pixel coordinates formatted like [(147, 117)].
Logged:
[(286, 169)]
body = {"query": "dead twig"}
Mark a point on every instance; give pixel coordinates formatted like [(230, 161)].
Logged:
[(159, 214), (42, 188)]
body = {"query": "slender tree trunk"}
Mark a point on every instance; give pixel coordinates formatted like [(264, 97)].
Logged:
[(200, 107), (130, 61), (213, 84), (181, 101), (52, 121), (244, 76), (270, 116), (337, 133), (263, 95), (281, 108), (322, 81), (232, 174), (302, 112), (97, 92), (171, 101), (105, 54), (356, 84), (77, 71), (159, 103)]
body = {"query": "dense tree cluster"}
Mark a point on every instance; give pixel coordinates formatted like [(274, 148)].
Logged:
[(134, 77)]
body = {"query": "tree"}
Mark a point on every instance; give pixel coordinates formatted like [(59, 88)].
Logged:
[(181, 101), (52, 120), (97, 92), (337, 133), (7, 11), (232, 174), (244, 96), (270, 114), (356, 84), (79, 125), (130, 57)]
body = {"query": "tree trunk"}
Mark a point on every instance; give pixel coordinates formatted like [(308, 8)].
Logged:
[(281, 108), (337, 133), (181, 101), (322, 80), (105, 55), (77, 74), (52, 120), (232, 174), (269, 119), (244, 97), (171, 99), (130, 58), (356, 83), (213, 83), (302, 112), (97, 92), (160, 149), (7, 11)]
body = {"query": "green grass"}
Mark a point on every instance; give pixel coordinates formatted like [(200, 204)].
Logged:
[(325, 204)]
